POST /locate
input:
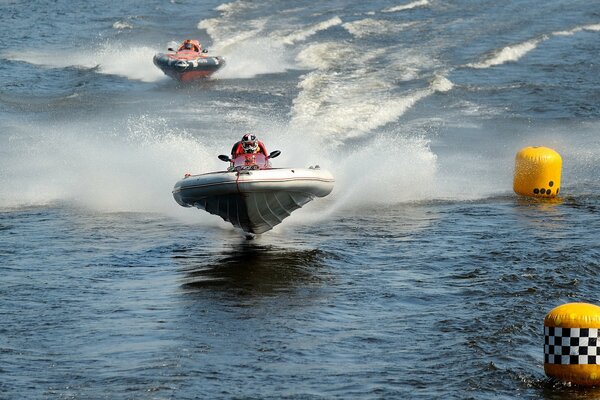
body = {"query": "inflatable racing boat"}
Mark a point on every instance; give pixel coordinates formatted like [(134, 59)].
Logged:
[(189, 62), (252, 195)]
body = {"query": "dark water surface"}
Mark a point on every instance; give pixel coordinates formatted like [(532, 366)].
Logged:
[(447, 302)]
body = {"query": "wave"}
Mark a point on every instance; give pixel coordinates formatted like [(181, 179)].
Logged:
[(325, 55), (409, 6), (121, 25), (233, 7), (515, 52), (225, 37), (370, 26), (306, 32), (591, 28), (132, 62), (441, 84), (509, 53)]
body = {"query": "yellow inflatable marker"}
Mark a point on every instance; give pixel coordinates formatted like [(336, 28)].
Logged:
[(571, 339), (537, 172)]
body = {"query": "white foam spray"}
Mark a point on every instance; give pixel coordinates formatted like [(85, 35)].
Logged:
[(301, 34), (591, 28), (122, 25), (250, 47), (233, 7), (112, 58), (225, 36), (387, 168), (516, 52), (248, 52), (409, 6), (370, 26), (509, 53), (130, 169), (391, 168)]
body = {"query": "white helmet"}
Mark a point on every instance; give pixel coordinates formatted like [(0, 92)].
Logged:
[(249, 143)]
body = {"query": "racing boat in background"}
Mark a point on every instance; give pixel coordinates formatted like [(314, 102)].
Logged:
[(252, 195), (189, 62)]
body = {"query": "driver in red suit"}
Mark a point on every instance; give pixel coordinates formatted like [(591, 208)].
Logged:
[(248, 145), (190, 45)]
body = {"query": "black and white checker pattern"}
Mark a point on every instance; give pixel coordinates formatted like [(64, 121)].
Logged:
[(571, 346)]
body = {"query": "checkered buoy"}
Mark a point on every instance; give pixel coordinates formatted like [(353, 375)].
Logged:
[(571, 344), (537, 172)]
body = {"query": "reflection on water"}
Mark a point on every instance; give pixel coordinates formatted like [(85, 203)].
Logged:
[(560, 216), (252, 268), (555, 390), (545, 204)]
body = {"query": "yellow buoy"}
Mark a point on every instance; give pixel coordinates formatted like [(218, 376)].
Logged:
[(571, 339), (537, 172)]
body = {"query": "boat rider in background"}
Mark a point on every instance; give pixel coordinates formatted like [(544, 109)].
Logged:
[(248, 145), (191, 45)]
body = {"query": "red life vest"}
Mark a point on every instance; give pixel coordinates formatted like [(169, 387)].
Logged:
[(238, 149), (196, 46)]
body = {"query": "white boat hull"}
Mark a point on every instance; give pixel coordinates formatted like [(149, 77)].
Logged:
[(253, 200)]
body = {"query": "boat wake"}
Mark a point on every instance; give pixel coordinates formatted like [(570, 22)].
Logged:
[(342, 106), (409, 6), (509, 53), (375, 27), (517, 51), (590, 28), (258, 46)]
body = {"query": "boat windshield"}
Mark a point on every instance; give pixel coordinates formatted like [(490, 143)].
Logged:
[(251, 161)]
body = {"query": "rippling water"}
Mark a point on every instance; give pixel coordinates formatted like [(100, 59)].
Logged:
[(448, 301), (421, 276)]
